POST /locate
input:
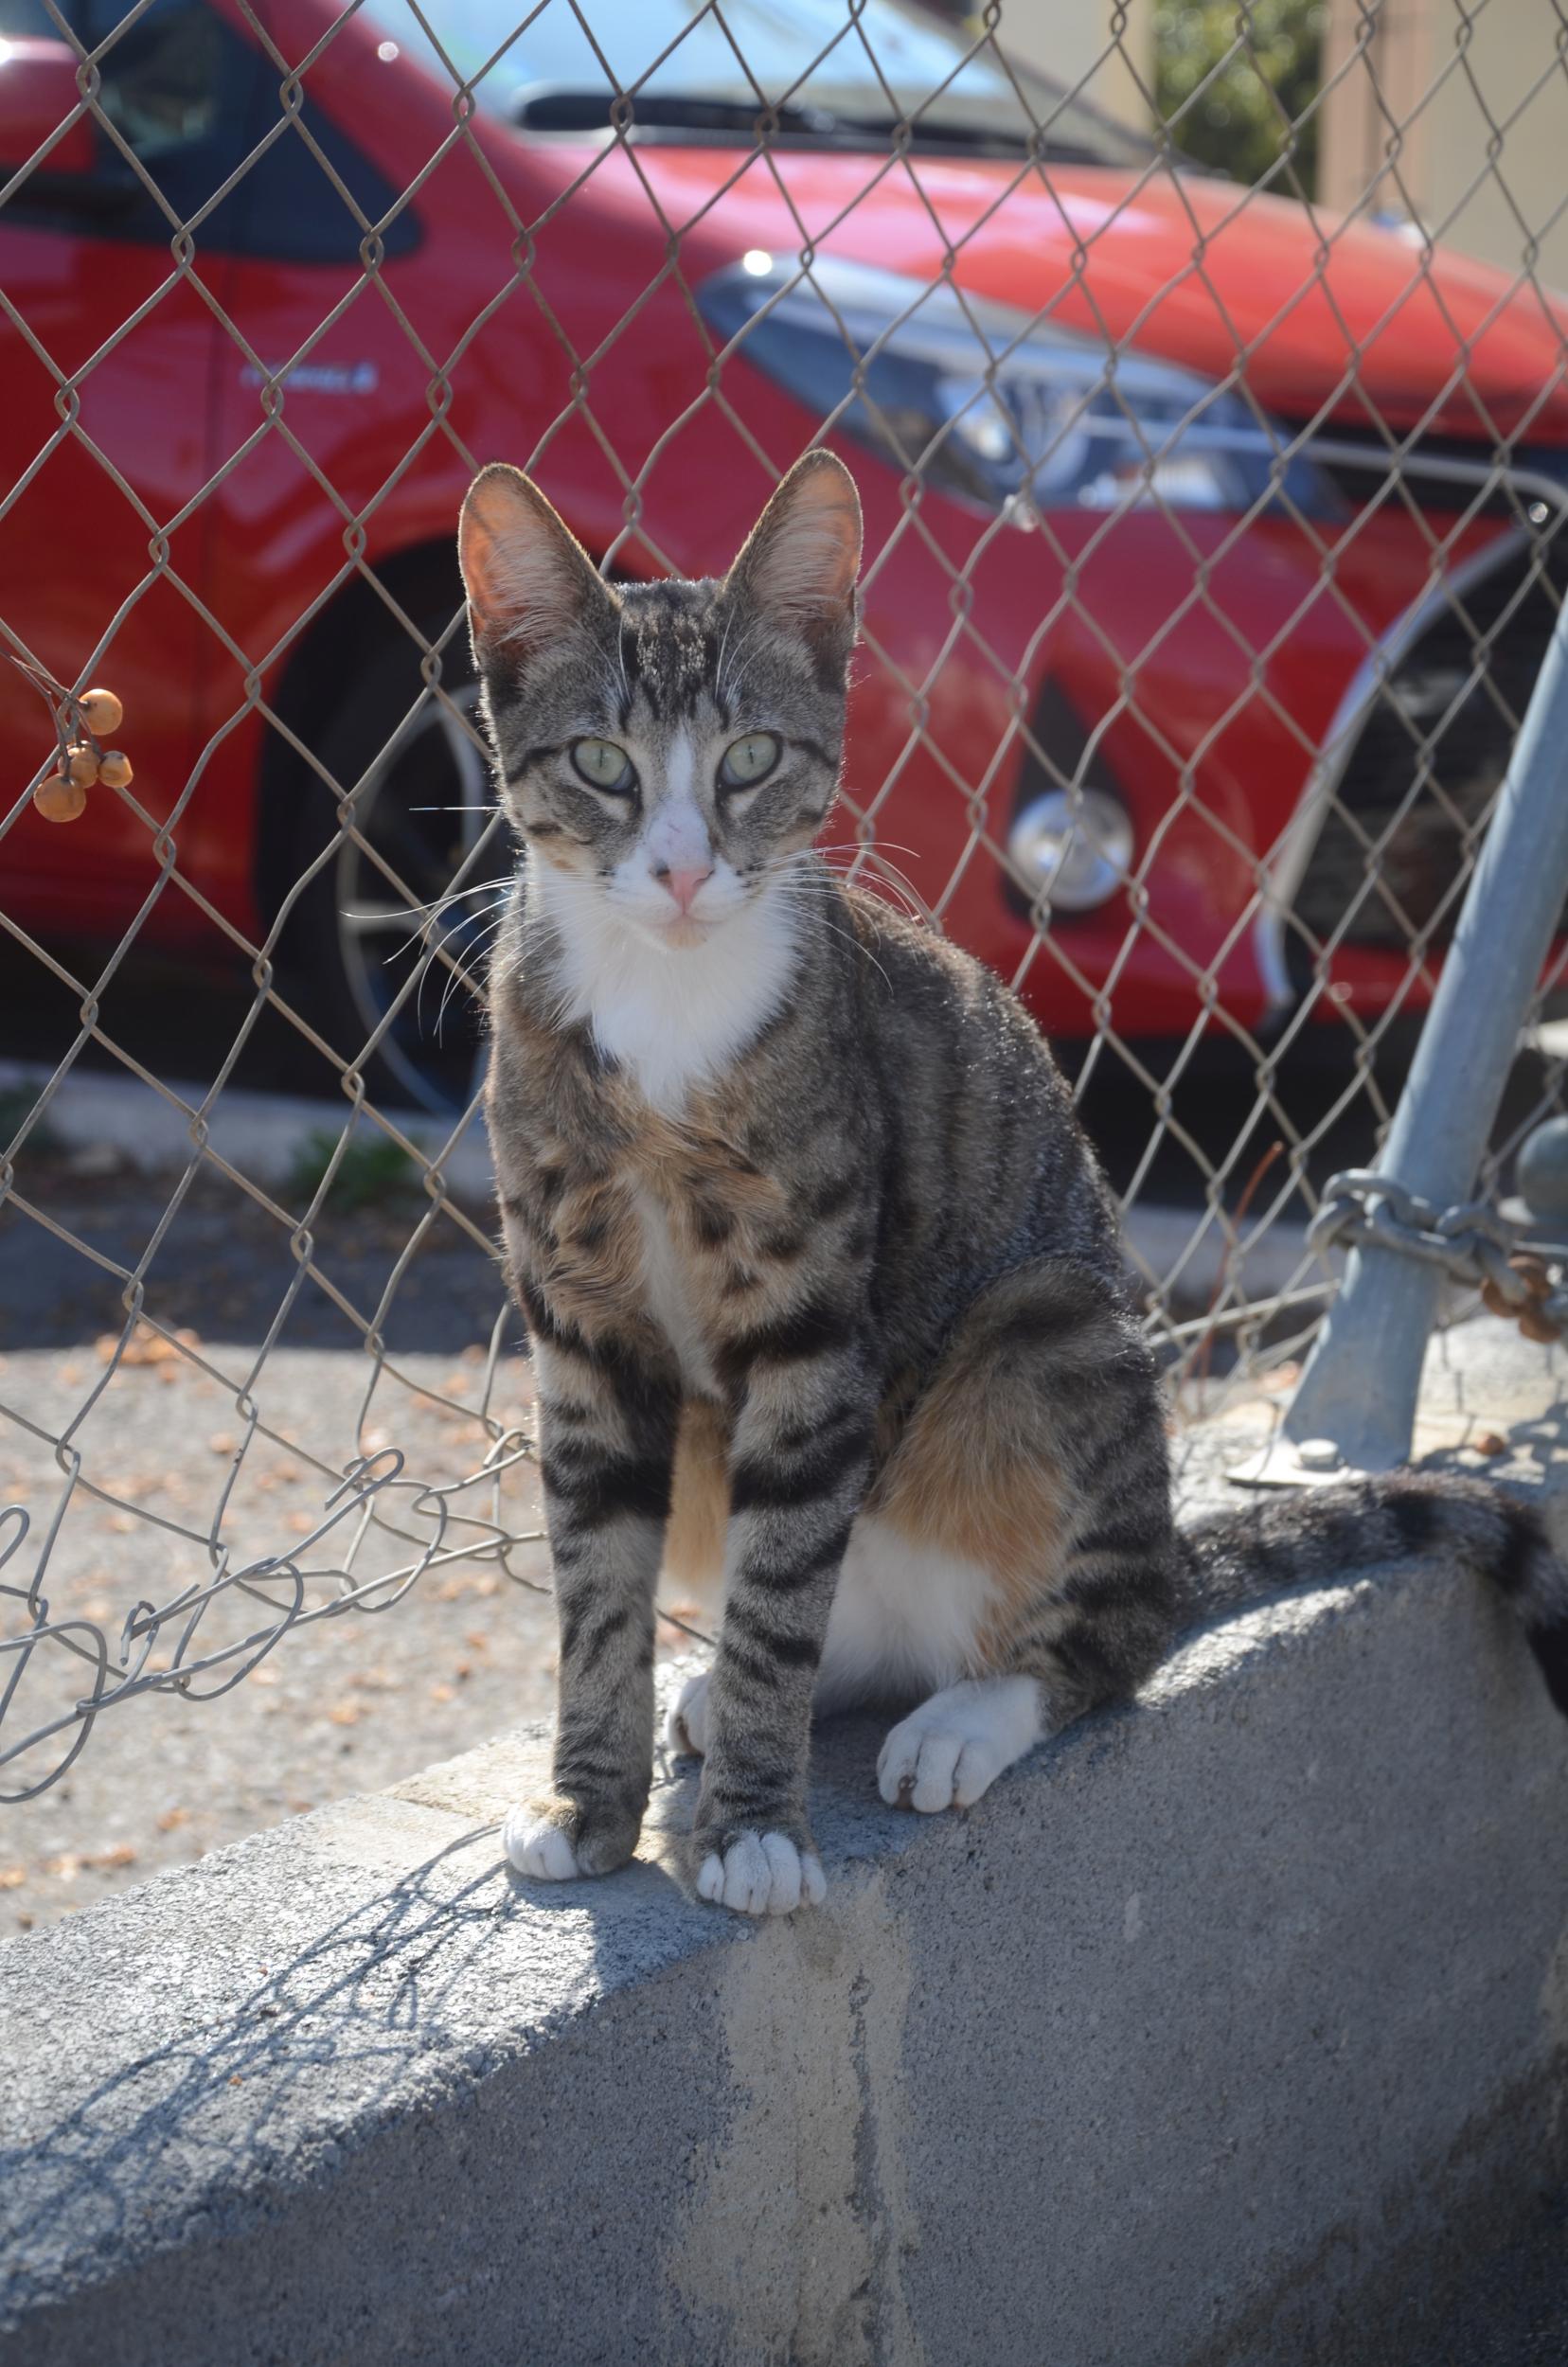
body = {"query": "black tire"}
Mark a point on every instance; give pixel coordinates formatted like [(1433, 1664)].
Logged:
[(366, 933)]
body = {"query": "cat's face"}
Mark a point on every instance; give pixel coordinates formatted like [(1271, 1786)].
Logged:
[(663, 748)]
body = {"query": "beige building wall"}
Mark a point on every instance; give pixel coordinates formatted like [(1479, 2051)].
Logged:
[(1070, 38), (1452, 82), (1414, 92)]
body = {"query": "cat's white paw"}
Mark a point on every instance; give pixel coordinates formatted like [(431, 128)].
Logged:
[(685, 1728), (762, 1873), (951, 1749), (537, 1846)]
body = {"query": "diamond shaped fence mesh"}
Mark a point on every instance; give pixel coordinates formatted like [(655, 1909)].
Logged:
[(1212, 553)]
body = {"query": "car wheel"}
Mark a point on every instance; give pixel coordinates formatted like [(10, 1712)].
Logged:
[(390, 935)]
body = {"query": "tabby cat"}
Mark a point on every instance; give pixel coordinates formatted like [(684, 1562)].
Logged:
[(801, 1219)]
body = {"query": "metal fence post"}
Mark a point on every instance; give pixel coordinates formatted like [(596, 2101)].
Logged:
[(1360, 1385)]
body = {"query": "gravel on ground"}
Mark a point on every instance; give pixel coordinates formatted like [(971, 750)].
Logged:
[(230, 1414)]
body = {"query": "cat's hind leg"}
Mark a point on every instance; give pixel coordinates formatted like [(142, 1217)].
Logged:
[(686, 1720), (943, 1755), (1038, 1454)]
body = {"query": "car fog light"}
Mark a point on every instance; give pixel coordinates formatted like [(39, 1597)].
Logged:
[(1073, 849)]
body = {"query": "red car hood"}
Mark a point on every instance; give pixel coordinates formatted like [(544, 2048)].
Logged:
[(1190, 269)]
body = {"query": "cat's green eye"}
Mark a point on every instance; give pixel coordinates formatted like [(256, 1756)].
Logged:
[(749, 760), (603, 765)]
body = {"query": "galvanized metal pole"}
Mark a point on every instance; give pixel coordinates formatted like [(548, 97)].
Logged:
[(1360, 1387)]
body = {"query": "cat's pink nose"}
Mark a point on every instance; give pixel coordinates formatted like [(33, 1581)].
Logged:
[(684, 885)]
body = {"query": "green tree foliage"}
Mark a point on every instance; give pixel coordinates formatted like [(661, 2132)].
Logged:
[(1268, 53)]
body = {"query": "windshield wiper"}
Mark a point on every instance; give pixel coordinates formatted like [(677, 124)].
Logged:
[(557, 107), (562, 107)]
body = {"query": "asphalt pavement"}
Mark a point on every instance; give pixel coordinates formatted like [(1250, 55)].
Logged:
[(182, 1024)]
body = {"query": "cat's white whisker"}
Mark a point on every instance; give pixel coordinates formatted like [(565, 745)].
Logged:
[(425, 916), (620, 662), (469, 970)]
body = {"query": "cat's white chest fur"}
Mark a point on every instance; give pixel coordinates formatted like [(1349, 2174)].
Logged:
[(670, 1298), (673, 1016)]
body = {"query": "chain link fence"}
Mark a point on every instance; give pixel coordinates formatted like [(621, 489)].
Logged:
[(1212, 553)]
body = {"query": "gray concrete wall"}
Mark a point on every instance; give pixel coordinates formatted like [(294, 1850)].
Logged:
[(1194, 2042)]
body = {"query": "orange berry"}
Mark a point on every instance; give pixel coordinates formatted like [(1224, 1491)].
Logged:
[(59, 800), (100, 711), (82, 766), (114, 771)]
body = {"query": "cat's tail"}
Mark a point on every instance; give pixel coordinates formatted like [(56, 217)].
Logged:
[(1321, 1536)]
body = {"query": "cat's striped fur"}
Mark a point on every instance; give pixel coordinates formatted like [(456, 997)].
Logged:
[(812, 1246)]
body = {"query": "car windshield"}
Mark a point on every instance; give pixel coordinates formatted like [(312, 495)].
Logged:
[(834, 75)]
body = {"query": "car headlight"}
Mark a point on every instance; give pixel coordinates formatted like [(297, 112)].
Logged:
[(993, 405), (1073, 851)]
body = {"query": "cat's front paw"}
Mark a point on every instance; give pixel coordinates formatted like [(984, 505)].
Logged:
[(555, 1841), (763, 1873), (538, 1846)]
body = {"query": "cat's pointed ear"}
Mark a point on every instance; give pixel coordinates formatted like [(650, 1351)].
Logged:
[(529, 579), (802, 556)]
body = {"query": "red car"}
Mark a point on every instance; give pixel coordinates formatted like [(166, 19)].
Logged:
[(1145, 664)]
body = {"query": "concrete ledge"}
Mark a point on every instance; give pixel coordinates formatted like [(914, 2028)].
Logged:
[(1195, 2042)]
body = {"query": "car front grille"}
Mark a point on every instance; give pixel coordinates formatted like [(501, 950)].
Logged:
[(1408, 813), (1442, 476)]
